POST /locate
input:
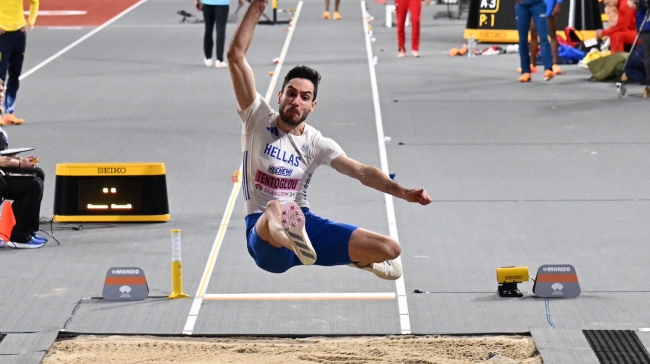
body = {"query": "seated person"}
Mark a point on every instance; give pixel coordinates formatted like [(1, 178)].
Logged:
[(624, 31), (26, 194)]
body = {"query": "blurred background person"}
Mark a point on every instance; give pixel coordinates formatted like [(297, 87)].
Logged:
[(13, 42), (26, 193), (641, 7), (535, 10), (415, 8), (215, 16), (624, 31), (326, 14), (553, 9)]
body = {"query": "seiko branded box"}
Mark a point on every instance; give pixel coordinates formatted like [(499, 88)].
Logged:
[(111, 192)]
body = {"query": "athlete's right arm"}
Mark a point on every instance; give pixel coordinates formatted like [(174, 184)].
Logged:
[(241, 73)]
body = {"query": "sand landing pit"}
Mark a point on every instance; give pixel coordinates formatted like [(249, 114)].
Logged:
[(339, 350)]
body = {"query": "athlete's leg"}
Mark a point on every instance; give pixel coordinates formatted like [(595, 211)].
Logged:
[(6, 44), (336, 5), (16, 58), (209, 18), (283, 225), (221, 18), (266, 256), (645, 40), (368, 247), (269, 226), (539, 17), (401, 8), (523, 26), (552, 33), (620, 39), (534, 43), (326, 14), (415, 8)]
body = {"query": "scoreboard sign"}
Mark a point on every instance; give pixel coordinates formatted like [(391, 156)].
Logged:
[(111, 192), (494, 21)]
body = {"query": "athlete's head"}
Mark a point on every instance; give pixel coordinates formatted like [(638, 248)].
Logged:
[(298, 95)]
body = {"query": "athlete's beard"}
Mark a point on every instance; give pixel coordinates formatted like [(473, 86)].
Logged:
[(287, 120)]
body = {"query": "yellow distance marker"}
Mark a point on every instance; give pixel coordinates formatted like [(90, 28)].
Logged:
[(177, 268)]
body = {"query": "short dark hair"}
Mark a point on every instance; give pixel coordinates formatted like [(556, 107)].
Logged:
[(303, 72)]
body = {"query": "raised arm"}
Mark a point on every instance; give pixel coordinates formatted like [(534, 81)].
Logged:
[(241, 73), (373, 177)]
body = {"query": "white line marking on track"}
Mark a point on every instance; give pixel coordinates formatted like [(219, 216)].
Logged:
[(405, 322), (299, 296), (58, 12), (200, 294), (75, 43)]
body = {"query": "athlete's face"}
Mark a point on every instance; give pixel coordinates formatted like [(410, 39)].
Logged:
[(296, 101)]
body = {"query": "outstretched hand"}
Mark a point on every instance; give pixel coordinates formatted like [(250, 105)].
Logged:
[(418, 195)]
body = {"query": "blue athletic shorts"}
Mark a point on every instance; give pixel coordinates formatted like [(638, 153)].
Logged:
[(330, 240)]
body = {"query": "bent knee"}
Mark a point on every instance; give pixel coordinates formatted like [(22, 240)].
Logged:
[(393, 249), (367, 245)]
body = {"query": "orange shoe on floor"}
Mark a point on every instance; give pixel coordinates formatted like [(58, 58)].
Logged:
[(533, 69), (525, 78), (646, 92), (548, 75), (10, 119), (326, 15), (557, 70), (458, 52), (337, 16)]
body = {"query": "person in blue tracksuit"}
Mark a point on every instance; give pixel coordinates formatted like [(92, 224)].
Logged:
[(644, 33), (525, 10)]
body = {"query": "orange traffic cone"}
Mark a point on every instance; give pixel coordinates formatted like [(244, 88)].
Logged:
[(7, 221)]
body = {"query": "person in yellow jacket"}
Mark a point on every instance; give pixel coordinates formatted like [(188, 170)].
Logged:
[(13, 41)]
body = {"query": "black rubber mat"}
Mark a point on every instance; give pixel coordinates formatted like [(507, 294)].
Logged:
[(617, 346)]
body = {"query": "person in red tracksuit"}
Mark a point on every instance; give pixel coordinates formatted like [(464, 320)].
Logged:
[(415, 8), (624, 31)]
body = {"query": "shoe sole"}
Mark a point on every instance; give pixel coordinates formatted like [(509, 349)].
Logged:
[(11, 244), (293, 221)]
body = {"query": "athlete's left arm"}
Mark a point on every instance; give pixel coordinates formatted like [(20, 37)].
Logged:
[(33, 13), (373, 177)]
